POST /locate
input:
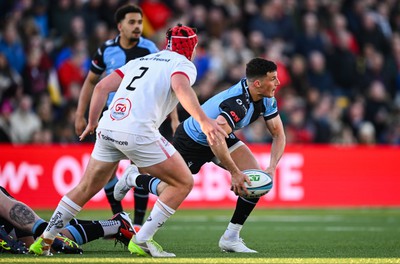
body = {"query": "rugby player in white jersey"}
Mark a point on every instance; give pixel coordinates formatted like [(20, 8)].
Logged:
[(147, 90)]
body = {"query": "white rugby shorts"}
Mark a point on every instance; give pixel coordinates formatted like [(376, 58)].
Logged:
[(144, 151)]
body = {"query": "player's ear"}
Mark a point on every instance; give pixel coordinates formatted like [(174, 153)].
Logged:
[(257, 83)]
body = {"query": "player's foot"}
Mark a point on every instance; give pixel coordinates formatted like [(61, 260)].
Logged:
[(234, 246), (41, 247), (126, 230), (9, 244), (148, 249), (63, 244), (122, 186)]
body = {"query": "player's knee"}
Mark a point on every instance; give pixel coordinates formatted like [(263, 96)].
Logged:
[(187, 184)]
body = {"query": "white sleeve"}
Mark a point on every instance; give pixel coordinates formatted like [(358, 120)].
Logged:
[(187, 68)]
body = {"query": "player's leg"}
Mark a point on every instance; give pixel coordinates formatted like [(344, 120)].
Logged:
[(141, 198), (17, 213), (96, 175), (230, 241), (179, 180), (120, 227)]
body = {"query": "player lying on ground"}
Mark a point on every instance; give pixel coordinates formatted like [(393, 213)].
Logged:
[(20, 225)]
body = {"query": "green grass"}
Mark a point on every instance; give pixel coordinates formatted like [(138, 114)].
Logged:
[(280, 236)]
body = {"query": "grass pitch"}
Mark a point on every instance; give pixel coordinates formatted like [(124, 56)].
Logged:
[(280, 236)]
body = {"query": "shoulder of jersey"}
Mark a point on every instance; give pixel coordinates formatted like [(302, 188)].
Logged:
[(110, 42)]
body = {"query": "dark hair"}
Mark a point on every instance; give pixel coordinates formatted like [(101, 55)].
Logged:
[(125, 9), (259, 67)]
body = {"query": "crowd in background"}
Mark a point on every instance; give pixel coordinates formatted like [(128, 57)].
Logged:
[(338, 62)]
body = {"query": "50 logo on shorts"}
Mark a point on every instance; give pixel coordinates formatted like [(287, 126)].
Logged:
[(120, 109)]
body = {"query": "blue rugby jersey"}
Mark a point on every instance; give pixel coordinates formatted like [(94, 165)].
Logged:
[(111, 56), (236, 106)]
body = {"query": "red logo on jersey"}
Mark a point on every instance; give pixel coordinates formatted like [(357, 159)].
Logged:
[(120, 107), (234, 116)]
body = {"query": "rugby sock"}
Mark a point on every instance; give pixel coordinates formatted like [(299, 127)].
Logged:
[(38, 227), (116, 206), (232, 231), (147, 183), (65, 211), (84, 233), (243, 209), (158, 216), (75, 221), (141, 198), (92, 230)]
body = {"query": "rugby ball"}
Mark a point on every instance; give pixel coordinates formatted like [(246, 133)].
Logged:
[(261, 183)]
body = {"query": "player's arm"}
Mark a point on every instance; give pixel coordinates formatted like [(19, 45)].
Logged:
[(83, 102), (188, 99), (222, 153), (100, 94), (276, 129)]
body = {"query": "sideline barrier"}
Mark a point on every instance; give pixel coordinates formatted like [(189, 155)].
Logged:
[(307, 176)]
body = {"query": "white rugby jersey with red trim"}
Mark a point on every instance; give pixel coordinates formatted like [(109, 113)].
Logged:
[(145, 97)]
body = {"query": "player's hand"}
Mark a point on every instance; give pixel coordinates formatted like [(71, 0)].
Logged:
[(238, 180), (90, 129), (80, 125), (214, 132)]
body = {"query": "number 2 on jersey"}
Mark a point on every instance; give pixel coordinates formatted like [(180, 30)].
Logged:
[(144, 70)]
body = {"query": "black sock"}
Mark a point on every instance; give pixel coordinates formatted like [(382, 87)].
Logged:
[(75, 221), (147, 183), (86, 232), (243, 210), (141, 198), (40, 229), (116, 206)]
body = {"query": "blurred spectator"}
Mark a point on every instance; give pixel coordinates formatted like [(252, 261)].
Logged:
[(318, 75), (60, 15), (354, 116), (5, 124), (37, 69), (377, 109), (320, 118), (342, 63), (311, 38), (299, 129), (10, 80), (24, 122), (298, 75), (366, 134), (90, 11), (256, 43), (42, 137), (12, 48), (72, 73), (40, 16), (218, 22), (272, 21), (371, 33), (338, 26), (377, 70), (98, 36)]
